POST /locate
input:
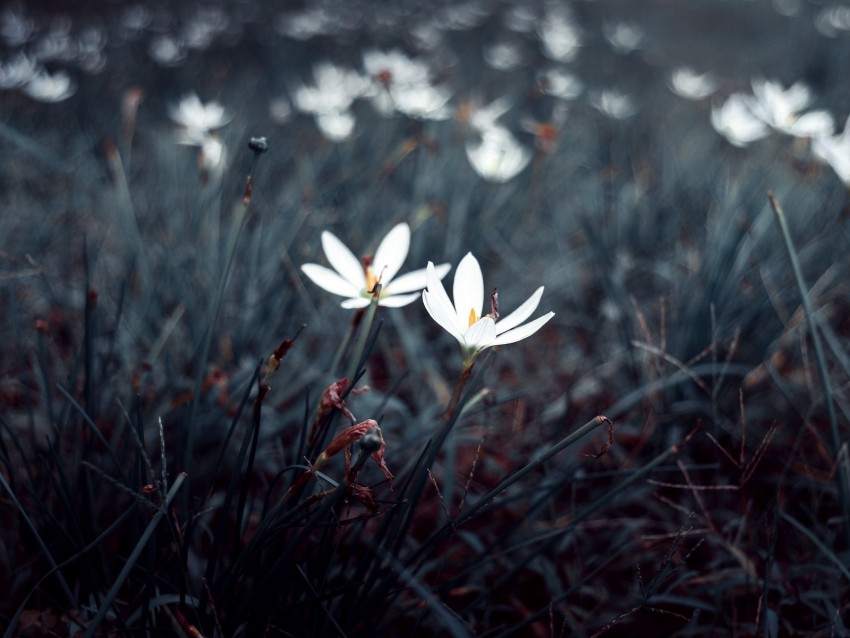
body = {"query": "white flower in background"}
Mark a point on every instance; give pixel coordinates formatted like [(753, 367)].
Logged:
[(403, 84), (50, 88), (334, 90), (17, 71), (735, 121), (198, 123), (559, 34), (198, 119), (560, 83), (480, 117), (623, 36), (336, 126), (394, 67), (504, 55), (330, 99), (463, 319), (835, 151), (780, 109), (355, 280), (421, 101), (690, 85), (497, 156), (833, 19), (614, 103)]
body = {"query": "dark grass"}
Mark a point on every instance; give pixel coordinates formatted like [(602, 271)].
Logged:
[(141, 302)]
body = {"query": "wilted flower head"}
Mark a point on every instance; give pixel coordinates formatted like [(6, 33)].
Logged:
[(688, 84), (464, 320), (497, 156), (349, 278), (735, 121)]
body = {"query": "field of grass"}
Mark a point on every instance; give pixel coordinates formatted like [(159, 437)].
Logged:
[(198, 440)]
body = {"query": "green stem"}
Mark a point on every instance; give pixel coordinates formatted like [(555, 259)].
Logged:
[(233, 242), (841, 476)]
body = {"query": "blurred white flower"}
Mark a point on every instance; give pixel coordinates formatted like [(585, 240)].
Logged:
[(463, 319), (833, 19), (334, 89), (17, 71), (394, 67), (166, 50), (690, 85), (780, 109), (560, 83), (559, 34), (349, 278), (330, 99), (497, 156), (481, 118), (421, 101), (198, 118), (623, 36), (504, 55), (614, 103), (835, 151), (50, 88), (735, 121), (336, 126)]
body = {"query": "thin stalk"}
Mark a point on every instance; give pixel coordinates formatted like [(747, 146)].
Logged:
[(131, 560), (233, 242), (841, 476)]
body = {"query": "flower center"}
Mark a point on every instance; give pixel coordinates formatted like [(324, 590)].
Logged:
[(473, 316), (371, 279)]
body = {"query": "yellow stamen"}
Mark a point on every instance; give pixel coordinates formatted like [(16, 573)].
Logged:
[(473, 316), (371, 279)]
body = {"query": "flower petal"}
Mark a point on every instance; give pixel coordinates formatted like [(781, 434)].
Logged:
[(356, 302), (481, 334), (343, 261), (440, 302), (520, 314), (397, 301), (414, 280), (391, 253), (330, 280), (438, 314), (518, 334), (468, 291)]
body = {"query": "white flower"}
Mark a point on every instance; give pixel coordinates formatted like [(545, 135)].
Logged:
[(623, 36), (780, 109), (835, 151), (198, 118), (463, 319), (421, 101), (688, 84), (614, 103), (736, 122), (559, 34), (45, 87), (17, 71), (498, 156), (349, 278), (560, 83)]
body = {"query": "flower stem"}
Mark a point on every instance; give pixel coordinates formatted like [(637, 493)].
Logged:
[(465, 375)]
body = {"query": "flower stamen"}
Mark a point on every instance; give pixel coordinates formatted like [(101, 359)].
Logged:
[(473, 316)]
